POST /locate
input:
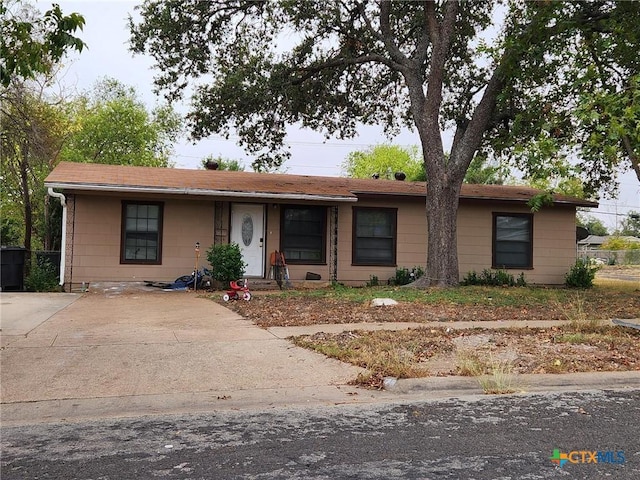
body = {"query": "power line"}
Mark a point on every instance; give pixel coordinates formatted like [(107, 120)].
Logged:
[(611, 213)]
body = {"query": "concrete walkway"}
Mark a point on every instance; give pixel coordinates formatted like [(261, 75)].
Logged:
[(286, 332), (116, 353)]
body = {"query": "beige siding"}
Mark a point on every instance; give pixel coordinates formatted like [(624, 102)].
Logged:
[(94, 240), (475, 237), (554, 247), (411, 242), (97, 234)]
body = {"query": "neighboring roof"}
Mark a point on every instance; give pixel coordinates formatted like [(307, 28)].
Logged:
[(116, 178), (600, 239), (593, 240)]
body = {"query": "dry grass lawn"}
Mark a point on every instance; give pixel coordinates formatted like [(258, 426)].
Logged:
[(588, 342)]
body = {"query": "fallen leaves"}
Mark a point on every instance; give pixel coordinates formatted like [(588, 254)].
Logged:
[(297, 310), (413, 352)]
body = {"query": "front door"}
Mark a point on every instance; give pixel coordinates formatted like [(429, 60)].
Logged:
[(247, 230)]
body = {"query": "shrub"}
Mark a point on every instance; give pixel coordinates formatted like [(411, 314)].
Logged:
[(227, 263), (581, 274), (619, 243), (494, 278), (471, 278), (373, 281), (404, 276), (42, 277)]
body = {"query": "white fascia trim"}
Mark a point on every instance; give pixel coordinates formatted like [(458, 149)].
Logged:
[(199, 191)]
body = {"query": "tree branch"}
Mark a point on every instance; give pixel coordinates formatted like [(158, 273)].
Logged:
[(311, 70), (441, 37), (387, 34), (633, 158), (433, 28), (420, 55), (367, 21)]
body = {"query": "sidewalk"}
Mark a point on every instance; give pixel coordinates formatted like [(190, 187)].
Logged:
[(285, 332)]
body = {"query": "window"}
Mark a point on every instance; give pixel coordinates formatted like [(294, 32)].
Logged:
[(303, 234), (512, 240), (374, 236), (141, 233)]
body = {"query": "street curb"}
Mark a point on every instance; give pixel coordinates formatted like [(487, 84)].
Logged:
[(404, 391), (527, 383)]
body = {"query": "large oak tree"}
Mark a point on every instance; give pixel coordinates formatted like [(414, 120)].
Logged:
[(504, 90)]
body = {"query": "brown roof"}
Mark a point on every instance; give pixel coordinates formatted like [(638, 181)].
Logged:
[(97, 177)]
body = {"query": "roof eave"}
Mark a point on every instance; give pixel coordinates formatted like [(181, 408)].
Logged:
[(197, 192), (578, 203)]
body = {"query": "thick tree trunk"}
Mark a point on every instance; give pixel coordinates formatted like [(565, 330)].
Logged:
[(442, 242), (442, 254)]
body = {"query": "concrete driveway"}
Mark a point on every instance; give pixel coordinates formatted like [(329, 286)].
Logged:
[(105, 354)]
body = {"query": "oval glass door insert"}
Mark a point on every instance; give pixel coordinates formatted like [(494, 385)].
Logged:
[(247, 230)]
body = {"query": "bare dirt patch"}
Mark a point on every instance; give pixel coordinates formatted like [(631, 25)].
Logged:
[(437, 352), (627, 273)]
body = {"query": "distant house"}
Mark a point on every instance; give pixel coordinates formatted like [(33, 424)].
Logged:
[(592, 242), (595, 242), (591, 247), (134, 223)]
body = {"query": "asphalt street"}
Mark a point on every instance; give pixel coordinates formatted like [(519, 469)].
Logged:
[(488, 437)]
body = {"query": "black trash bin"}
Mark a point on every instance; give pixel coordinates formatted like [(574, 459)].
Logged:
[(12, 261)]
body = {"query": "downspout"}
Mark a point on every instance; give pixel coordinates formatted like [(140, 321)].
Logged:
[(63, 243)]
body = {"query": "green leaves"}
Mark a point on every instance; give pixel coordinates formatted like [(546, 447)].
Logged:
[(573, 93), (319, 65), (32, 43), (384, 161), (592, 224), (114, 127), (540, 200)]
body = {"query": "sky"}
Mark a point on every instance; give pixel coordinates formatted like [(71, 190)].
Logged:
[(106, 34)]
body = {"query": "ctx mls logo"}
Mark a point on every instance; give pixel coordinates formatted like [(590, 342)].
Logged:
[(586, 456)]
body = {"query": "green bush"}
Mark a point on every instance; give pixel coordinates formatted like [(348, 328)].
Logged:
[(227, 263), (619, 243), (42, 277), (373, 281), (494, 278), (581, 274), (404, 276), (10, 232)]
